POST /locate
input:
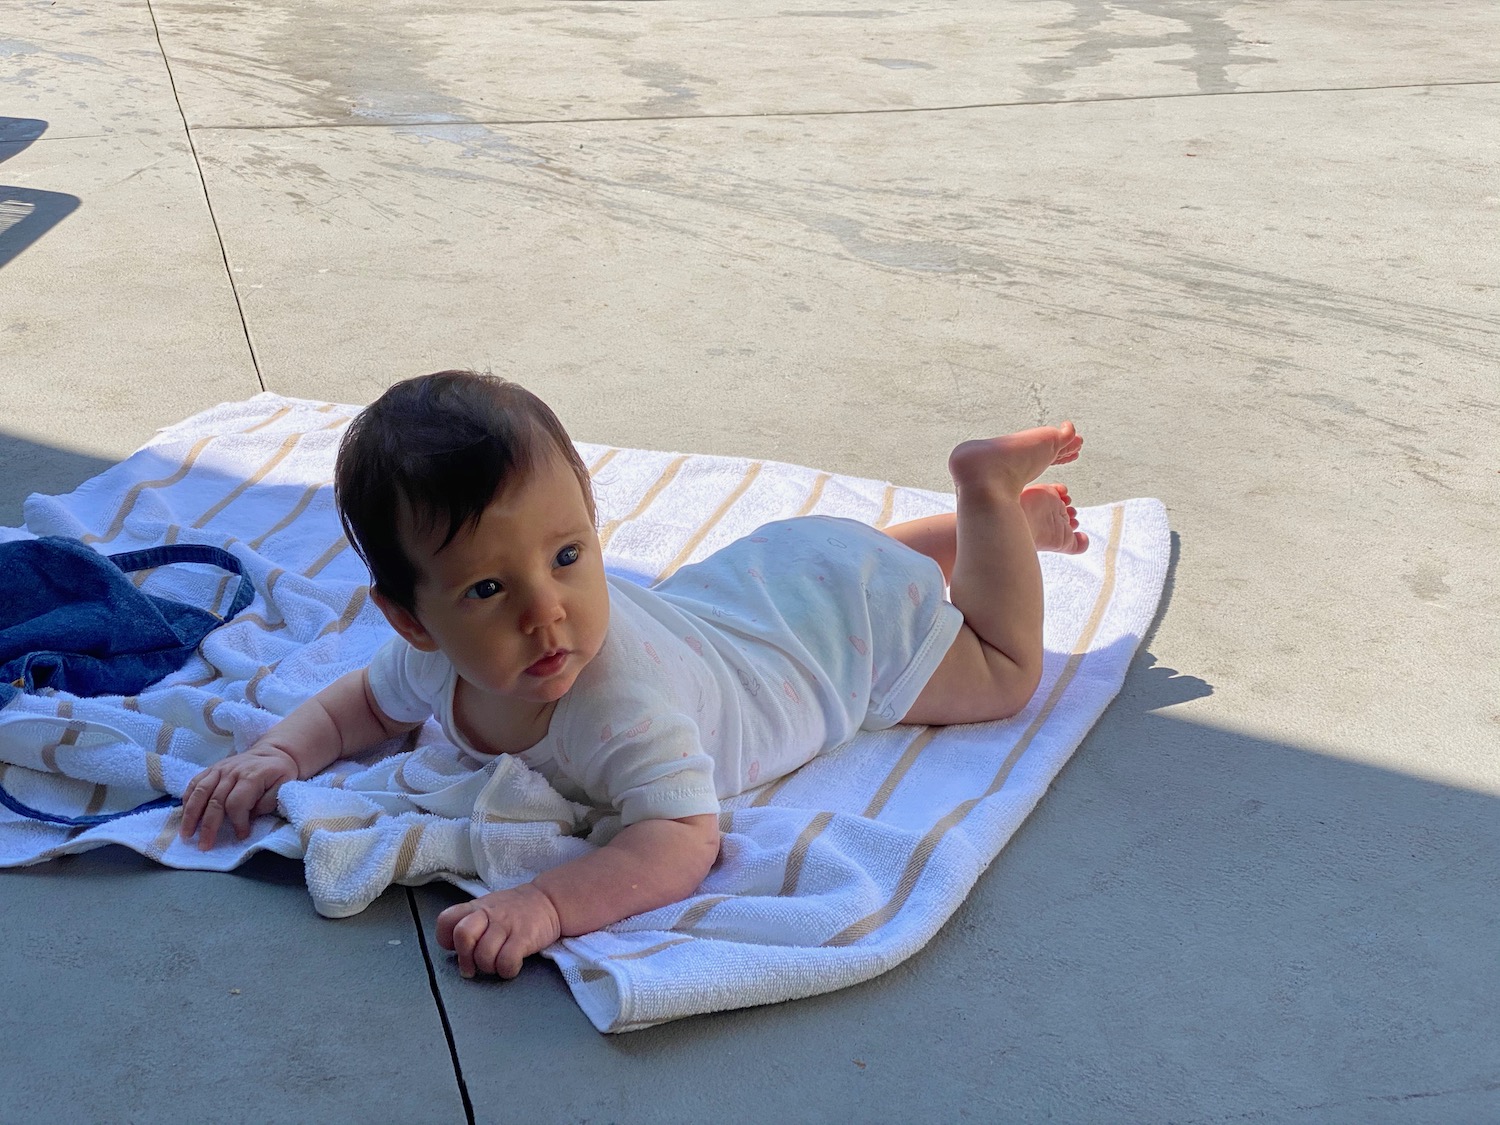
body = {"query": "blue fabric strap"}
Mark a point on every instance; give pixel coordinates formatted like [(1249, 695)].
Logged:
[(131, 561)]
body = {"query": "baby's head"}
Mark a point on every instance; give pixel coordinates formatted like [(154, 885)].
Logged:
[(430, 455), (473, 511)]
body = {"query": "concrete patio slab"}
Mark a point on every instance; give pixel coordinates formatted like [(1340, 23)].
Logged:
[(301, 63), (142, 994)]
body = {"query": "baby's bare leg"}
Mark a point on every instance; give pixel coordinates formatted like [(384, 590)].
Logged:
[(995, 663), (1049, 513)]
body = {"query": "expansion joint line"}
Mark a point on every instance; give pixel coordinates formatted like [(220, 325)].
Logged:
[(207, 199), (442, 1010)]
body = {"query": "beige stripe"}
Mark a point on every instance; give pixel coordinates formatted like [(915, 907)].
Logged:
[(208, 718), (164, 735), (407, 853), (768, 794), (252, 688), (337, 423), (69, 736), (213, 602), (257, 619), (239, 490), (336, 824), (913, 750), (609, 455), (708, 525), (96, 800), (798, 855), (169, 829), (817, 494), (922, 853), (326, 557), (356, 604), (695, 913), (290, 517), (651, 949), (134, 495), (609, 529), (153, 773), (271, 580), (282, 413), (589, 976), (131, 703), (888, 506)]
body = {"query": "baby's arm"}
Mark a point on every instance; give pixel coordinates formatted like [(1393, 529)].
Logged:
[(340, 721), (650, 863)]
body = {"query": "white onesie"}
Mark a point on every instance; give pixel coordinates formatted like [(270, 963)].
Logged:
[(728, 674)]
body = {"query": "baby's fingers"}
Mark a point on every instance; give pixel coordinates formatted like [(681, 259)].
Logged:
[(195, 800), (466, 936), (450, 918)]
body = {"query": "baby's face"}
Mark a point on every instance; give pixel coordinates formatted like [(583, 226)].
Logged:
[(518, 603)]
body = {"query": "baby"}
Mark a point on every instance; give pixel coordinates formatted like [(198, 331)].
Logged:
[(466, 499)]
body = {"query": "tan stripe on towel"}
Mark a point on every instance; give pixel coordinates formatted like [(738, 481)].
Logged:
[(925, 848), (908, 757), (134, 495), (708, 525), (887, 507), (609, 455), (154, 777), (606, 533), (255, 478), (798, 856), (695, 913), (817, 494), (290, 518), (637, 954), (406, 854), (351, 611), (282, 413), (326, 557), (768, 794), (208, 718)]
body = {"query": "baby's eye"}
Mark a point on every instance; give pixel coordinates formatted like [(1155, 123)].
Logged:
[(568, 555), (486, 588)]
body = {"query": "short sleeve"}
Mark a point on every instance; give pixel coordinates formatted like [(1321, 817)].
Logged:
[(405, 681), (654, 770)]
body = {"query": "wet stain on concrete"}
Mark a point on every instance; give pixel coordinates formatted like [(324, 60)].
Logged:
[(1101, 30)]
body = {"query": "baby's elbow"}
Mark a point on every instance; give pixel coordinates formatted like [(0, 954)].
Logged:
[(703, 850)]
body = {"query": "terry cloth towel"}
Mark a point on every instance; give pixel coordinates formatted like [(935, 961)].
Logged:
[(827, 877)]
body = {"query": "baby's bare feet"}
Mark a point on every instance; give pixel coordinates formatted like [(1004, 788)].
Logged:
[(1007, 464), (1053, 519)]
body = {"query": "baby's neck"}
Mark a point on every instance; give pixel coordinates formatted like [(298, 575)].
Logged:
[(499, 726)]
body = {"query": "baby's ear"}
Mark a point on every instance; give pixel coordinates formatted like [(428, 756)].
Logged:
[(404, 621)]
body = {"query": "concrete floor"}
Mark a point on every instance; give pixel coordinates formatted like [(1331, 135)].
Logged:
[(1252, 248)]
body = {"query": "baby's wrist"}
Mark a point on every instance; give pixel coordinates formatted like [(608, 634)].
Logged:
[(543, 902)]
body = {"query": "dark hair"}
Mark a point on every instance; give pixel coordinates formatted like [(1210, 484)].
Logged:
[(442, 447)]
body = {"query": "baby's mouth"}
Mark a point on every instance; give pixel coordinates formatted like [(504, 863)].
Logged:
[(549, 665)]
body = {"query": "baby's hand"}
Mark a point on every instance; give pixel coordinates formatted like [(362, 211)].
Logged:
[(496, 932), (235, 789)]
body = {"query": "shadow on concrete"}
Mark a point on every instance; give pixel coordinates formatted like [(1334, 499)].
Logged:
[(28, 466), (26, 213), (1195, 925)]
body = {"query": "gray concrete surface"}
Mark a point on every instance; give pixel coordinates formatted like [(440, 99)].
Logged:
[(1250, 247)]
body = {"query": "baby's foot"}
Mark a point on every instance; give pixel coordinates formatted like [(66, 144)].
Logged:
[(1053, 519), (1011, 462)]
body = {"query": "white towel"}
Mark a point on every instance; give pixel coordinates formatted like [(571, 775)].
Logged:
[(826, 877)]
